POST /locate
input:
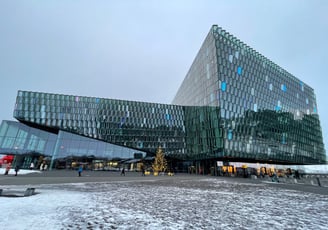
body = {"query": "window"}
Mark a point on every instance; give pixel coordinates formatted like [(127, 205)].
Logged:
[(279, 103), (223, 86), (255, 107), (230, 58), (302, 86), (237, 54), (283, 87), (229, 134), (239, 70)]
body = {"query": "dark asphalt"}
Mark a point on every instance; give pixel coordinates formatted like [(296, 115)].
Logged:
[(70, 176)]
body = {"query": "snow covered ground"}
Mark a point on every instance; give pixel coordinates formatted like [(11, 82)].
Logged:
[(20, 172), (153, 204)]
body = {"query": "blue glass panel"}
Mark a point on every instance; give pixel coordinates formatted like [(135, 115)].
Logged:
[(97, 100), (223, 86), (239, 70), (230, 135), (315, 110), (283, 87), (168, 117), (277, 108)]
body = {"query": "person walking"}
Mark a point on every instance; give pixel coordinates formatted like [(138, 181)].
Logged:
[(32, 166), (80, 169), (42, 166), (16, 170), (8, 167), (123, 172)]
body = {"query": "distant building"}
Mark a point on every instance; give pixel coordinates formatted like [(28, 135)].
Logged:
[(233, 105)]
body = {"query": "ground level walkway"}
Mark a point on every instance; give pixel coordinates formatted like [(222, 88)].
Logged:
[(71, 176)]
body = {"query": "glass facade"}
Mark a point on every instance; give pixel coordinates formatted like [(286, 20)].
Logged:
[(233, 105), (20, 139), (138, 125), (57, 150), (262, 112)]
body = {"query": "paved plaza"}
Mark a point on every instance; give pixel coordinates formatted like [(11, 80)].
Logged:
[(71, 176)]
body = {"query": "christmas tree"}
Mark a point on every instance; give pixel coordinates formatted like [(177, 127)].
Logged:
[(160, 163)]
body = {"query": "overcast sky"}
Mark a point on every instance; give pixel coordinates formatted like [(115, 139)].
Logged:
[(141, 50)]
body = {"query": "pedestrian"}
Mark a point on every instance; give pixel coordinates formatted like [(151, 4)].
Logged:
[(123, 172), (41, 166), (275, 177), (297, 175), (16, 170), (32, 165), (8, 167), (80, 170), (143, 171)]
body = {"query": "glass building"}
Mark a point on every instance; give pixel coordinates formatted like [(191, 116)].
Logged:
[(243, 107), (233, 105)]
